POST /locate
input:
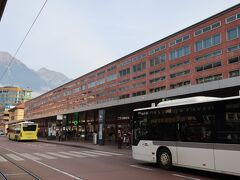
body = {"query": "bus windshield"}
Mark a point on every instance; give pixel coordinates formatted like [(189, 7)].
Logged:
[(29, 127)]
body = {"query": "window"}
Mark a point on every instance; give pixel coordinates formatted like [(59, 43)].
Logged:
[(209, 55), (179, 40), (157, 71), (232, 18), (179, 84), (124, 72), (111, 77), (183, 51), (124, 96), (181, 73), (157, 89), (139, 67), (139, 93), (158, 60), (234, 60), (209, 78), (228, 127), (207, 28), (233, 48), (180, 64), (208, 66), (139, 77), (160, 48), (208, 42), (233, 33), (234, 73), (140, 84), (155, 80)]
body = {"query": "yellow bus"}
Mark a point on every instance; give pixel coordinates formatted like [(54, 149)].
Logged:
[(23, 131)]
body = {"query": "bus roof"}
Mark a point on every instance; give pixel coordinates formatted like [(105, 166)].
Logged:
[(186, 101)]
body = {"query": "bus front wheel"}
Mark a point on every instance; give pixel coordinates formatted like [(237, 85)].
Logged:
[(164, 159)]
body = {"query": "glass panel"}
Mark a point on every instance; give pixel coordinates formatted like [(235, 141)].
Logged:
[(198, 32), (215, 25), (172, 55), (207, 43), (208, 28), (198, 46), (216, 39), (232, 34)]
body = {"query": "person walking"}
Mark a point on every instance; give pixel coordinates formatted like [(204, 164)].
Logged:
[(119, 139)]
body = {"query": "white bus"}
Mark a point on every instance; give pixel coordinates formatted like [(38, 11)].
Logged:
[(197, 132)]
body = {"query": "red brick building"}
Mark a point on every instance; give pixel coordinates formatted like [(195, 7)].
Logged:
[(203, 59)]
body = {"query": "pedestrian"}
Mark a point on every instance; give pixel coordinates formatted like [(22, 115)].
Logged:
[(119, 139), (60, 135)]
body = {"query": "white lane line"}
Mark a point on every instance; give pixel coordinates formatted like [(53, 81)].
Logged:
[(29, 156), (2, 159), (71, 154), (96, 153), (16, 174), (59, 155), (106, 152), (44, 155), (185, 177), (84, 154), (43, 164), (14, 157), (140, 167)]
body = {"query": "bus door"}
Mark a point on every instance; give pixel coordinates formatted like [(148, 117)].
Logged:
[(195, 147), (141, 145)]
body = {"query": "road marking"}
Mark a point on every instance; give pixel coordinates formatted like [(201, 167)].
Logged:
[(53, 168), (96, 153), (140, 167), (59, 155), (16, 174), (14, 157), (71, 154), (29, 156), (84, 154), (45, 156), (2, 159), (105, 152), (185, 177)]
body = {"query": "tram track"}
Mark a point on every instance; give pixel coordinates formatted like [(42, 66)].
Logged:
[(2, 176), (26, 171)]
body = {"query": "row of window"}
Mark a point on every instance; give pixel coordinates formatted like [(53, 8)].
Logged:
[(232, 18), (209, 78), (208, 55), (198, 32), (158, 49), (136, 58), (181, 73), (233, 48), (234, 60), (207, 28), (208, 66), (234, 73), (180, 64), (179, 40), (208, 42)]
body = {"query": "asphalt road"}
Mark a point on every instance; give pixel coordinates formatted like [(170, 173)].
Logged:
[(50, 161)]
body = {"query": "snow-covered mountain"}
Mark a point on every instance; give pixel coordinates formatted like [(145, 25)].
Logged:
[(18, 74)]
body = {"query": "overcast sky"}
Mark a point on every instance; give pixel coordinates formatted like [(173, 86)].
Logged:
[(77, 36)]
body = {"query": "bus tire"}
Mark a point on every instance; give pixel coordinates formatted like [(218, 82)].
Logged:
[(164, 159)]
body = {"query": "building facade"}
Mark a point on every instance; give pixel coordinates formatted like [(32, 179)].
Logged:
[(11, 96), (16, 114), (203, 59)]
